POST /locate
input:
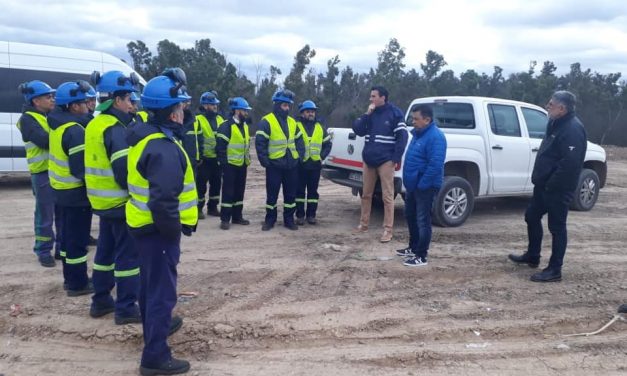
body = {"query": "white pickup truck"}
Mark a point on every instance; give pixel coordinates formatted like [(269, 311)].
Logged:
[(492, 144)]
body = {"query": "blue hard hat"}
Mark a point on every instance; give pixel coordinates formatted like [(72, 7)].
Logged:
[(134, 97), (307, 105), (239, 103), (34, 89), (70, 92), (209, 97), (283, 95), (113, 81), (162, 92)]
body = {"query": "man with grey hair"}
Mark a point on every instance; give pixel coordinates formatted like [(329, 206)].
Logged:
[(555, 176)]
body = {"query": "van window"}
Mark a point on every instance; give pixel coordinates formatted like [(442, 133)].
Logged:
[(453, 115), (536, 122), (503, 120), (12, 101)]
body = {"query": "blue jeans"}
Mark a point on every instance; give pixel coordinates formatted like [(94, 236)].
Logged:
[(555, 204), (418, 215)]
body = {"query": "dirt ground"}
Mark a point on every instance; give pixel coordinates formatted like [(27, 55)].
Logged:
[(321, 301)]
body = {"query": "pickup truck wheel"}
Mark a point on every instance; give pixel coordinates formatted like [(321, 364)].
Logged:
[(587, 191), (453, 203)]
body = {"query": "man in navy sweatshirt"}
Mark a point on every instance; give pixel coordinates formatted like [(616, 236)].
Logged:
[(383, 127)]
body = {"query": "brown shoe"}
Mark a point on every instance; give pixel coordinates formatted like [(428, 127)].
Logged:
[(386, 237), (360, 229)]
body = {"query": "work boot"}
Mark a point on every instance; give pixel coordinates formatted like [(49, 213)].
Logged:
[(47, 261), (622, 308), (88, 289), (360, 229), (300, 221), (291, 225), (171, 367), (123, 320), (241, 221), (224, 225), (214, 212), (201, 215), (547, 275), (96, 311), (175, 324), (267, 226), (525, 259), (311, 220)]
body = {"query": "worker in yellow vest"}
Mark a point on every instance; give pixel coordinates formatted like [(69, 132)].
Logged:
[(106, 150), (317, 147), (233, 149), (33, 125), (163, 205), (208, 171), (67, 173), (279, 146)]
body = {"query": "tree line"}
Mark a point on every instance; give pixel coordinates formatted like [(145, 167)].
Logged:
[(342, 94)]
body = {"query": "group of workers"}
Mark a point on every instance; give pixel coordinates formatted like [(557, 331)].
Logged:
[(145, 173)]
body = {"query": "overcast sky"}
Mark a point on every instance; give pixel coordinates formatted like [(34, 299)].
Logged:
[(471, 34)]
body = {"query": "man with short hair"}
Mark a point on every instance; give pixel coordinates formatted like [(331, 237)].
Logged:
[(33, 125), (383, 127), (279, 146), (208, 171), (317, 146), (555, 176), (423, 173)]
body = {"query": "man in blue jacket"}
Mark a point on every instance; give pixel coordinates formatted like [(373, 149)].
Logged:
[(555, 176), (384, 129), (423, 173)]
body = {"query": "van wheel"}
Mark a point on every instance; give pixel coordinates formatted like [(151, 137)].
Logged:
[(454, 202), (587, 191)]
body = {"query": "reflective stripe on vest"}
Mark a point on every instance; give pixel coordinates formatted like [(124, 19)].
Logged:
[(102, 190), (209, 144), (238, 149), (278, 143), (59, 166), (36, 157), (138, 214), (143, 115), (313, 144)]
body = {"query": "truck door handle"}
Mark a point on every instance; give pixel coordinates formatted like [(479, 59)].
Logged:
[(497, 147), (352, 136), (534, 150)]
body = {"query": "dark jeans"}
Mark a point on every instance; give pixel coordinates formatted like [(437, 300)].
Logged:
[(275, 178), (233, 188), (555, 204), (158, 257), (418, 215), (46, 213), (74, 243), (208, 171), (308, 181)]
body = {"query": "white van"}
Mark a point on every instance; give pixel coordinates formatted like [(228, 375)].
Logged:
[(21, 62)]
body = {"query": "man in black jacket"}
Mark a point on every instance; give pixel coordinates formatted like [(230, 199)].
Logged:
[(555, 176)]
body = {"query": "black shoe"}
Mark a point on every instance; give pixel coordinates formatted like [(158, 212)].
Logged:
[(171, 367), (547, 275), (92, 241), (84, 291), (267, 226), (291, 225), (201, 215), (135, 319), (57, 256), (416, 261), (47, 261), (224, 225), (214, 212), (96, 311), (405, 252), (524, 259), (241, 221), (622, 308), (300, 221), (175, 325), (312, 220)]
